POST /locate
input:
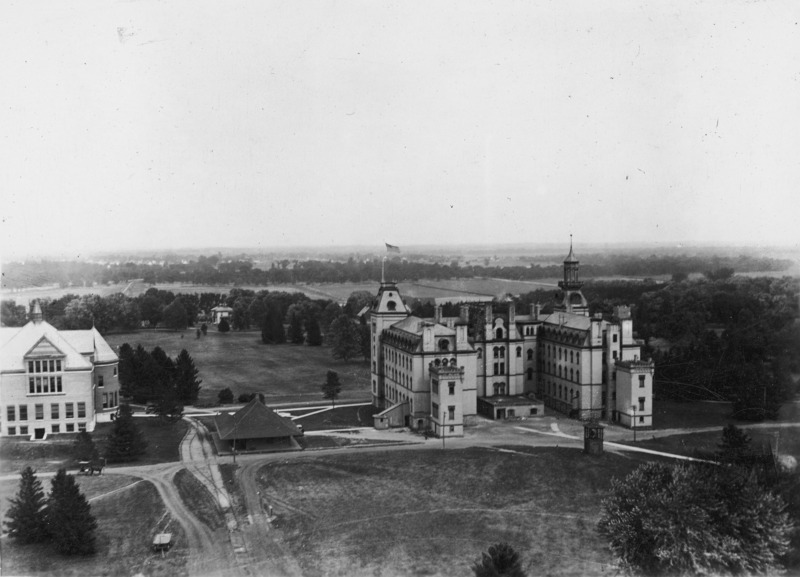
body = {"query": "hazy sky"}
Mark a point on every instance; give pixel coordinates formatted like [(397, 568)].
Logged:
[(167, 124)]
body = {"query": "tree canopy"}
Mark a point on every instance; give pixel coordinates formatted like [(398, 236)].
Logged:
[(345, 338), (331, 387), (694, 520), (500, 561), (126, 442)]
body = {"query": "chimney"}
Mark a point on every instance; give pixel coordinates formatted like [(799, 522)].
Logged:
[(437, 314), (512, 314), (489, 314), (464, 313), (538, 311), (36, 312)]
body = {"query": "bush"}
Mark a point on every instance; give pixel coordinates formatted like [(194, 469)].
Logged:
[(225, 396)]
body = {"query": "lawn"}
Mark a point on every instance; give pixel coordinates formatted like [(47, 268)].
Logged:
[(239, 360), (163, 441), (433, 512), (338, 418), (127, 522), (704, 445)]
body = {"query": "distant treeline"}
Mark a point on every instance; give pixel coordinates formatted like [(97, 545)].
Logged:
[(216, 270)]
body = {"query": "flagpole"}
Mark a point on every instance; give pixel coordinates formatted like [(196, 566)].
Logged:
[(383, 270)]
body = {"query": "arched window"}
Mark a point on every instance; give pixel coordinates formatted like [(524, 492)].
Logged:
[(437, 362), (452, 362), (519, 352), (570, 357), (571, 375), (498, 334), (530, 374), (578, 359), (502, 352), (530, 354), (444, 345), (578, 376), (496, 352), (391, 305), (480, 353)]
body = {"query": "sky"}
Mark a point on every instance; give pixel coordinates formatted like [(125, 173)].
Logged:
[(153, 124)]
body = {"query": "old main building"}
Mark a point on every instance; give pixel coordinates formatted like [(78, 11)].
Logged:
[(433, 374)]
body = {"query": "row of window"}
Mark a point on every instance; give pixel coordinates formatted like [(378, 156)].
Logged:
[(21, 411), (44, 385), (561, 353), (451, 411), (561, 372), (54, 428), (45, 366), (451, 387), (500, 353)]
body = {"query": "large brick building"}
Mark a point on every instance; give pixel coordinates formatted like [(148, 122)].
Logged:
[(437, 374), (54, 381)]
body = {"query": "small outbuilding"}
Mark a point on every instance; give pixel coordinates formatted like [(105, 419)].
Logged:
[(220, 312), (500, 407), (256, 427)]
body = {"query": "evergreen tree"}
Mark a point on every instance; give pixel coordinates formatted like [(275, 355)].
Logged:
[(84, 448), (313, 332), (500, 561), (127, 371), (187, 385), (272, 331), (26, 516), (69, 517), (734, 444), (126, 442), (344, 338), (224, 326), (331, 387)]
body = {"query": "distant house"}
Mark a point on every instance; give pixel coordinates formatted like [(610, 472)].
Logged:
[(54, 381), (256, 427), (220, 312)]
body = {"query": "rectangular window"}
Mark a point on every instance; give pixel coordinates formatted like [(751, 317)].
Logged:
[(452, 388), (23, 412), (69, 410), (52, 366), (54, 411), (39, 412), (70, 427), (58, 384), (105, 400), (82, 410), (614, 354), (641, 403), (451, 413), (115, 371), (497, 368), (23, 430), (435, 387), (58, 365), (452, 429), (615, 338), (11, 414), (100, 380), (31, 385), (56, 428), (12, 430), (641, 381), (81, 426), (30, 366)]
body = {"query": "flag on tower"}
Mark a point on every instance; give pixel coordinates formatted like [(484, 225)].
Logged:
[(391, 248)]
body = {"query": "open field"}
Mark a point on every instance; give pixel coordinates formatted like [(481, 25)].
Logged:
[(127, 521), (239, 360), (432, 512)]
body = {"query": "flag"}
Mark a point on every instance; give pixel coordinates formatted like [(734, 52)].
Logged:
[(391, 248)]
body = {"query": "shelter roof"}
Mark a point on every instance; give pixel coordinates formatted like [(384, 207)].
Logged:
[(254, 421), (569, 320)]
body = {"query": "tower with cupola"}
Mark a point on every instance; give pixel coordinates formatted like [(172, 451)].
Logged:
[(387, 309), (572, 299)]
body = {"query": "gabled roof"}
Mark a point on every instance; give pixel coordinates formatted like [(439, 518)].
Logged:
[(43, 334), (222, 308), (254, 421), (569, 320), (414, 326)]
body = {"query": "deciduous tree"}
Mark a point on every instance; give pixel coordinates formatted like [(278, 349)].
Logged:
[(313, 332), (83, 448), (344, 336), (694, 520), (175, 315), (225, 396), (331, 387)]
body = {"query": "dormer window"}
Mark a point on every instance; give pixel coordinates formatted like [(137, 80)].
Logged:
[(444, 345), (391, 305)]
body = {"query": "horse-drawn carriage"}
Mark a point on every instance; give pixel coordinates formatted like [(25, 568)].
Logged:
[(89, 467)]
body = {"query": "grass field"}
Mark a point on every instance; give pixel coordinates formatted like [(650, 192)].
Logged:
[(239, 360), (127, 521), (433, 512), (163, 441)]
